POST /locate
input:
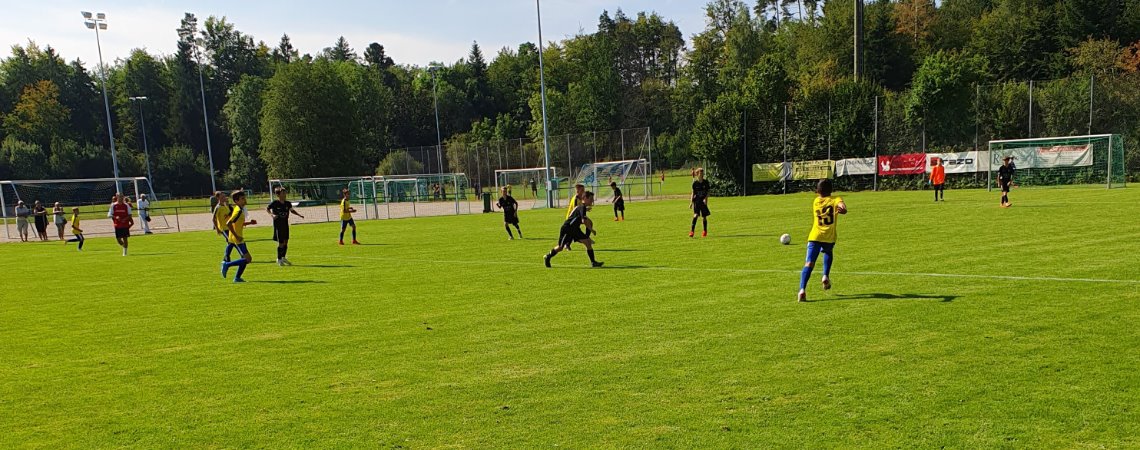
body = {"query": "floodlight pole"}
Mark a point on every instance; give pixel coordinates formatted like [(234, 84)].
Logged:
[(146, 148), (189, 36), (438, 136), (542, 90), (95, 22)]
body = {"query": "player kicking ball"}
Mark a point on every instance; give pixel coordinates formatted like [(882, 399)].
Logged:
[(825, 210), (572, 231)]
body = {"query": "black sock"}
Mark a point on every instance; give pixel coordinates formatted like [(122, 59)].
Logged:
[(508, 227), (590, 252), (1004, 199), (280, 252), (284, 251), (518, 229), (241, 269), (705, 223), (694, 227)]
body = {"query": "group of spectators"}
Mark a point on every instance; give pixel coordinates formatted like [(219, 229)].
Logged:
[(38, 216)]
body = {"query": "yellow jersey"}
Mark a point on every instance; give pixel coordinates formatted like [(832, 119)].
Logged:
[(75, 224), (573, 204), (825, 211), (237, 221), (345, 206), (221, 216)]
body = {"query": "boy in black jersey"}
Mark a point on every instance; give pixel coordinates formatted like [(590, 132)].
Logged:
[(280, 209), (699, 203), (571, 231), (1005, 179), (619, 202), (510, 209)]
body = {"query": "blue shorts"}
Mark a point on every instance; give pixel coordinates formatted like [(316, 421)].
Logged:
[(345, 223), (242, 250), (815, 247)]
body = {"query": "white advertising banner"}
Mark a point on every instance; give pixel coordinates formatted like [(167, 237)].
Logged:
[(1046, 157), (855, 166), (959, 162)]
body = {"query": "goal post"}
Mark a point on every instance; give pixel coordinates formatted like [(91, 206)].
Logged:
[(1067, 160), (384, 197), (327, 190), (531, 184), (631, 175), (91, 195)]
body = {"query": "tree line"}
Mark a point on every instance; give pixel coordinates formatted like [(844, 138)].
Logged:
[(773, 76)]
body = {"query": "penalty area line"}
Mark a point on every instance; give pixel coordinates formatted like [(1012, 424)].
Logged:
[(765, 271)]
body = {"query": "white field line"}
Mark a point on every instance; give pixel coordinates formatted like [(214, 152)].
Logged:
[(764, 271)]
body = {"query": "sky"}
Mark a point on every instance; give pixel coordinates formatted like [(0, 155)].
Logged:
[(413, 32)]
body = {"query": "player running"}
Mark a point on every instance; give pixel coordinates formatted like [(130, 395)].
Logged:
[(122, 220), (825, 211), (75, 229), (279, 210), (938, 179), (236, 224), (510, 209), (222, 212), (1005, 180), (572, 232), (346, 211), (699, 202), (619, 202), (579, 191)]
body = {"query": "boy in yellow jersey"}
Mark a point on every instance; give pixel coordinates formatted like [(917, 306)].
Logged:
[(579, 192), (236, 224), (75, 229), (222, 212), (346, 211), (825, 212)]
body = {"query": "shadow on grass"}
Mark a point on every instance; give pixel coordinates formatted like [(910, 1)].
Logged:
[(288, 281), (604, 250), (738, 236), (884, 296), (325, 266)]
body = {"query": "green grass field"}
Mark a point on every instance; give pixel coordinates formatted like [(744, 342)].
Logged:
[(957, 325)]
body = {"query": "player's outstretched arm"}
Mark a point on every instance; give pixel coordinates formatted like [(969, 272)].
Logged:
[(295, 213), (842, 208)]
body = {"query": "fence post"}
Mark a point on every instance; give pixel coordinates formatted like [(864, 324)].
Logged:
[(1030, 108), (1092, 84), (1109, 186)]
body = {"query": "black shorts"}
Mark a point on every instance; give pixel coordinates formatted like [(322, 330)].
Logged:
[(280, 231), (511, 218), (1004, 186), (121, 233), (568, 235), (701, 208), (346, 223), (619, 205)]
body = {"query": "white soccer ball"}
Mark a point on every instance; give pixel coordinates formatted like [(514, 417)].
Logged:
[(785, 239)]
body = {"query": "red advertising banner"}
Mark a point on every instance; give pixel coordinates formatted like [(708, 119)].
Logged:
[(908, 164)]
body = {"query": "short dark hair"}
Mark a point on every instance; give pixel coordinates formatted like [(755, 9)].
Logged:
[(613, 184), (237, 195), (278, 190), (589, 194), (824, 188)]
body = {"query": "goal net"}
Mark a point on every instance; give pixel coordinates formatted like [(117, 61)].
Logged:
[(383, 197), (527, 186), (309, 192), (91, 195), (1094, 159), (632, 176)]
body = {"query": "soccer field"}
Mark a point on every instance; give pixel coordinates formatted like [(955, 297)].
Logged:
[(957, 324)]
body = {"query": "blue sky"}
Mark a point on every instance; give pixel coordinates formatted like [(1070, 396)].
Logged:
[(412, 32)]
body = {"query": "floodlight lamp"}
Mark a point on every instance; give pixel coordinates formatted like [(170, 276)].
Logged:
[(102, 26), (101, 16), (90, 25), (86, 15)]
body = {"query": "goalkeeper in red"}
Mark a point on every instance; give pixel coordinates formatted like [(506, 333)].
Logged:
[(825, 212)]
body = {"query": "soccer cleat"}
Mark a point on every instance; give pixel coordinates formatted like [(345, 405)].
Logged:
[(520, 235), (705, 233), (802, 297), (826, 283), (546, 260), (597, 264), (239, 280), (616, 219), (510, 238), (224, 269), (280, 263), (354, 242), (690, 234), (286, 261)]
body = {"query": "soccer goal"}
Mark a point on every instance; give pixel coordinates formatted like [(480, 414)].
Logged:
[(311, 192), (91, 195), (424, 194), (527, 186), (1093, 159), (632, 176)]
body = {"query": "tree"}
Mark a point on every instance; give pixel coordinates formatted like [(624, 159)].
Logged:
[(284, 52), (340, 51), (306, 128), (374, 55), (38, 116), (399, 162), (942, 95), (243, 113)]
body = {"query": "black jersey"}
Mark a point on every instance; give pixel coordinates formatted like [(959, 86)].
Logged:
[(700, 189), (577, 217), (1005, 173), (617, 194), (280, 210), (508, 204)]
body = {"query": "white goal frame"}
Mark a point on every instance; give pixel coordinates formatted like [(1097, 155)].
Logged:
[(589, 174), (134, 181)]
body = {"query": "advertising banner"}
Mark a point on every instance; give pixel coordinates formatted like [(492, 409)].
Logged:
[(1064, 156), (958, 162), (907, 164), (855, 166), (813, 170), (771, 172)]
